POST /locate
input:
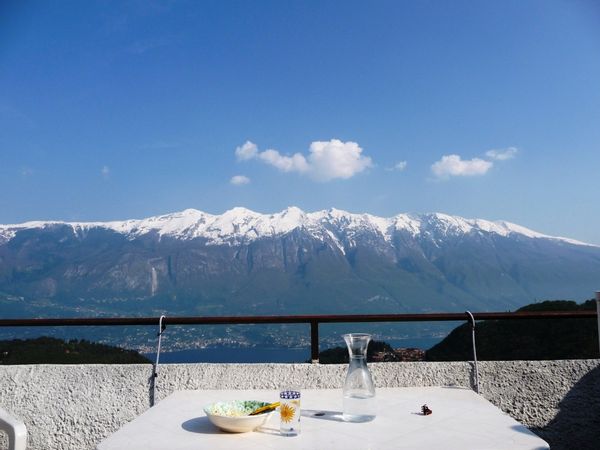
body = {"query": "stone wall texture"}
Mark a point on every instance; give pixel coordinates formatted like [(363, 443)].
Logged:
[(76, 406)]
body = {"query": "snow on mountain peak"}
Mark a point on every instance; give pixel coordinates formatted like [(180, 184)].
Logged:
[(239, 211), (447, 224), (288, 219), (240, 224), (407, 222)]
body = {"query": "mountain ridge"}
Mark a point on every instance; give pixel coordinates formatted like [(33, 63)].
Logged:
[(291, 262), (241, 224)]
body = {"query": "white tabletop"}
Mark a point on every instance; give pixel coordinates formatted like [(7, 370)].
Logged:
[(461, 419)]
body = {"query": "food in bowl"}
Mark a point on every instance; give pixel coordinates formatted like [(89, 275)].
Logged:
[(233, 416)]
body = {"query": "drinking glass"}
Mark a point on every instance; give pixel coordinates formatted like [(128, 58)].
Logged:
[(289, 412)]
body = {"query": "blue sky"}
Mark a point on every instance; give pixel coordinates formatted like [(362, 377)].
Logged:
[(114, 110)]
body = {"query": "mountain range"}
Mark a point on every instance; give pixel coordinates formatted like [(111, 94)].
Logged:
[(291, 262)]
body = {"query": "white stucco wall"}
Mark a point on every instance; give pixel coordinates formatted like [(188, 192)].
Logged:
[(75, 406)]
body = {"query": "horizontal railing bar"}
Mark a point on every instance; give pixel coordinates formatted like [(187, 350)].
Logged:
[(245, 320)]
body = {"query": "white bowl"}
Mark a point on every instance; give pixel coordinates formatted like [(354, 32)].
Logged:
[(233, 415)]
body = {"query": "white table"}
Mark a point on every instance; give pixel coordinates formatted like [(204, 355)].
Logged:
[(461, 419)]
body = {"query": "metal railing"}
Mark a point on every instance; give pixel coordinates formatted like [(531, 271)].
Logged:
[(313, 320)]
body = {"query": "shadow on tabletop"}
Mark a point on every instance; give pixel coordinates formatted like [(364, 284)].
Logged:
[(335, 416), (577, 423), (200, 425), (268, 430), (203, 426)]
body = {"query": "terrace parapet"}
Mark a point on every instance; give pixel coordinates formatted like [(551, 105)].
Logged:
[(76, 406)]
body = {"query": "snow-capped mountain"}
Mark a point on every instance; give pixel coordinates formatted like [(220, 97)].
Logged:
[(241, 225), (243, 262)]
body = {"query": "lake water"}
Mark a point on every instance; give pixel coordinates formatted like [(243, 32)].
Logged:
[(266, 355)]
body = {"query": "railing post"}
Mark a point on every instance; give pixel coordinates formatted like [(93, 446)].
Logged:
[(314, 341), (598, 314), (161, 330), (476, 369)]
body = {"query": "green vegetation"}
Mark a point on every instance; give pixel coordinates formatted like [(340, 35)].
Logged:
[(47, 350), (339, 355), (531, 339)]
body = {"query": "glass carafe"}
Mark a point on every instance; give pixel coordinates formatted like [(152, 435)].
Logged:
[(359, 391)]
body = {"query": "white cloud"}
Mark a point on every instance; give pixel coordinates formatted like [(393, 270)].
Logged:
[(294, 163), (503, 154), (239, 180), (105, 172), (399, 166), (326, 160), (454, 166), (246, 151), (336, 159)]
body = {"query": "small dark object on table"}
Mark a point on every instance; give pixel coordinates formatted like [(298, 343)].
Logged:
[(425, 410)]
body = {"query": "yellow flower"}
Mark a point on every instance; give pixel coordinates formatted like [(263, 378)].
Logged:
[(287, 412)]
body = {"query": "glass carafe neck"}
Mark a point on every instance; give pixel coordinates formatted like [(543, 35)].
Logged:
[(357, 345)]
